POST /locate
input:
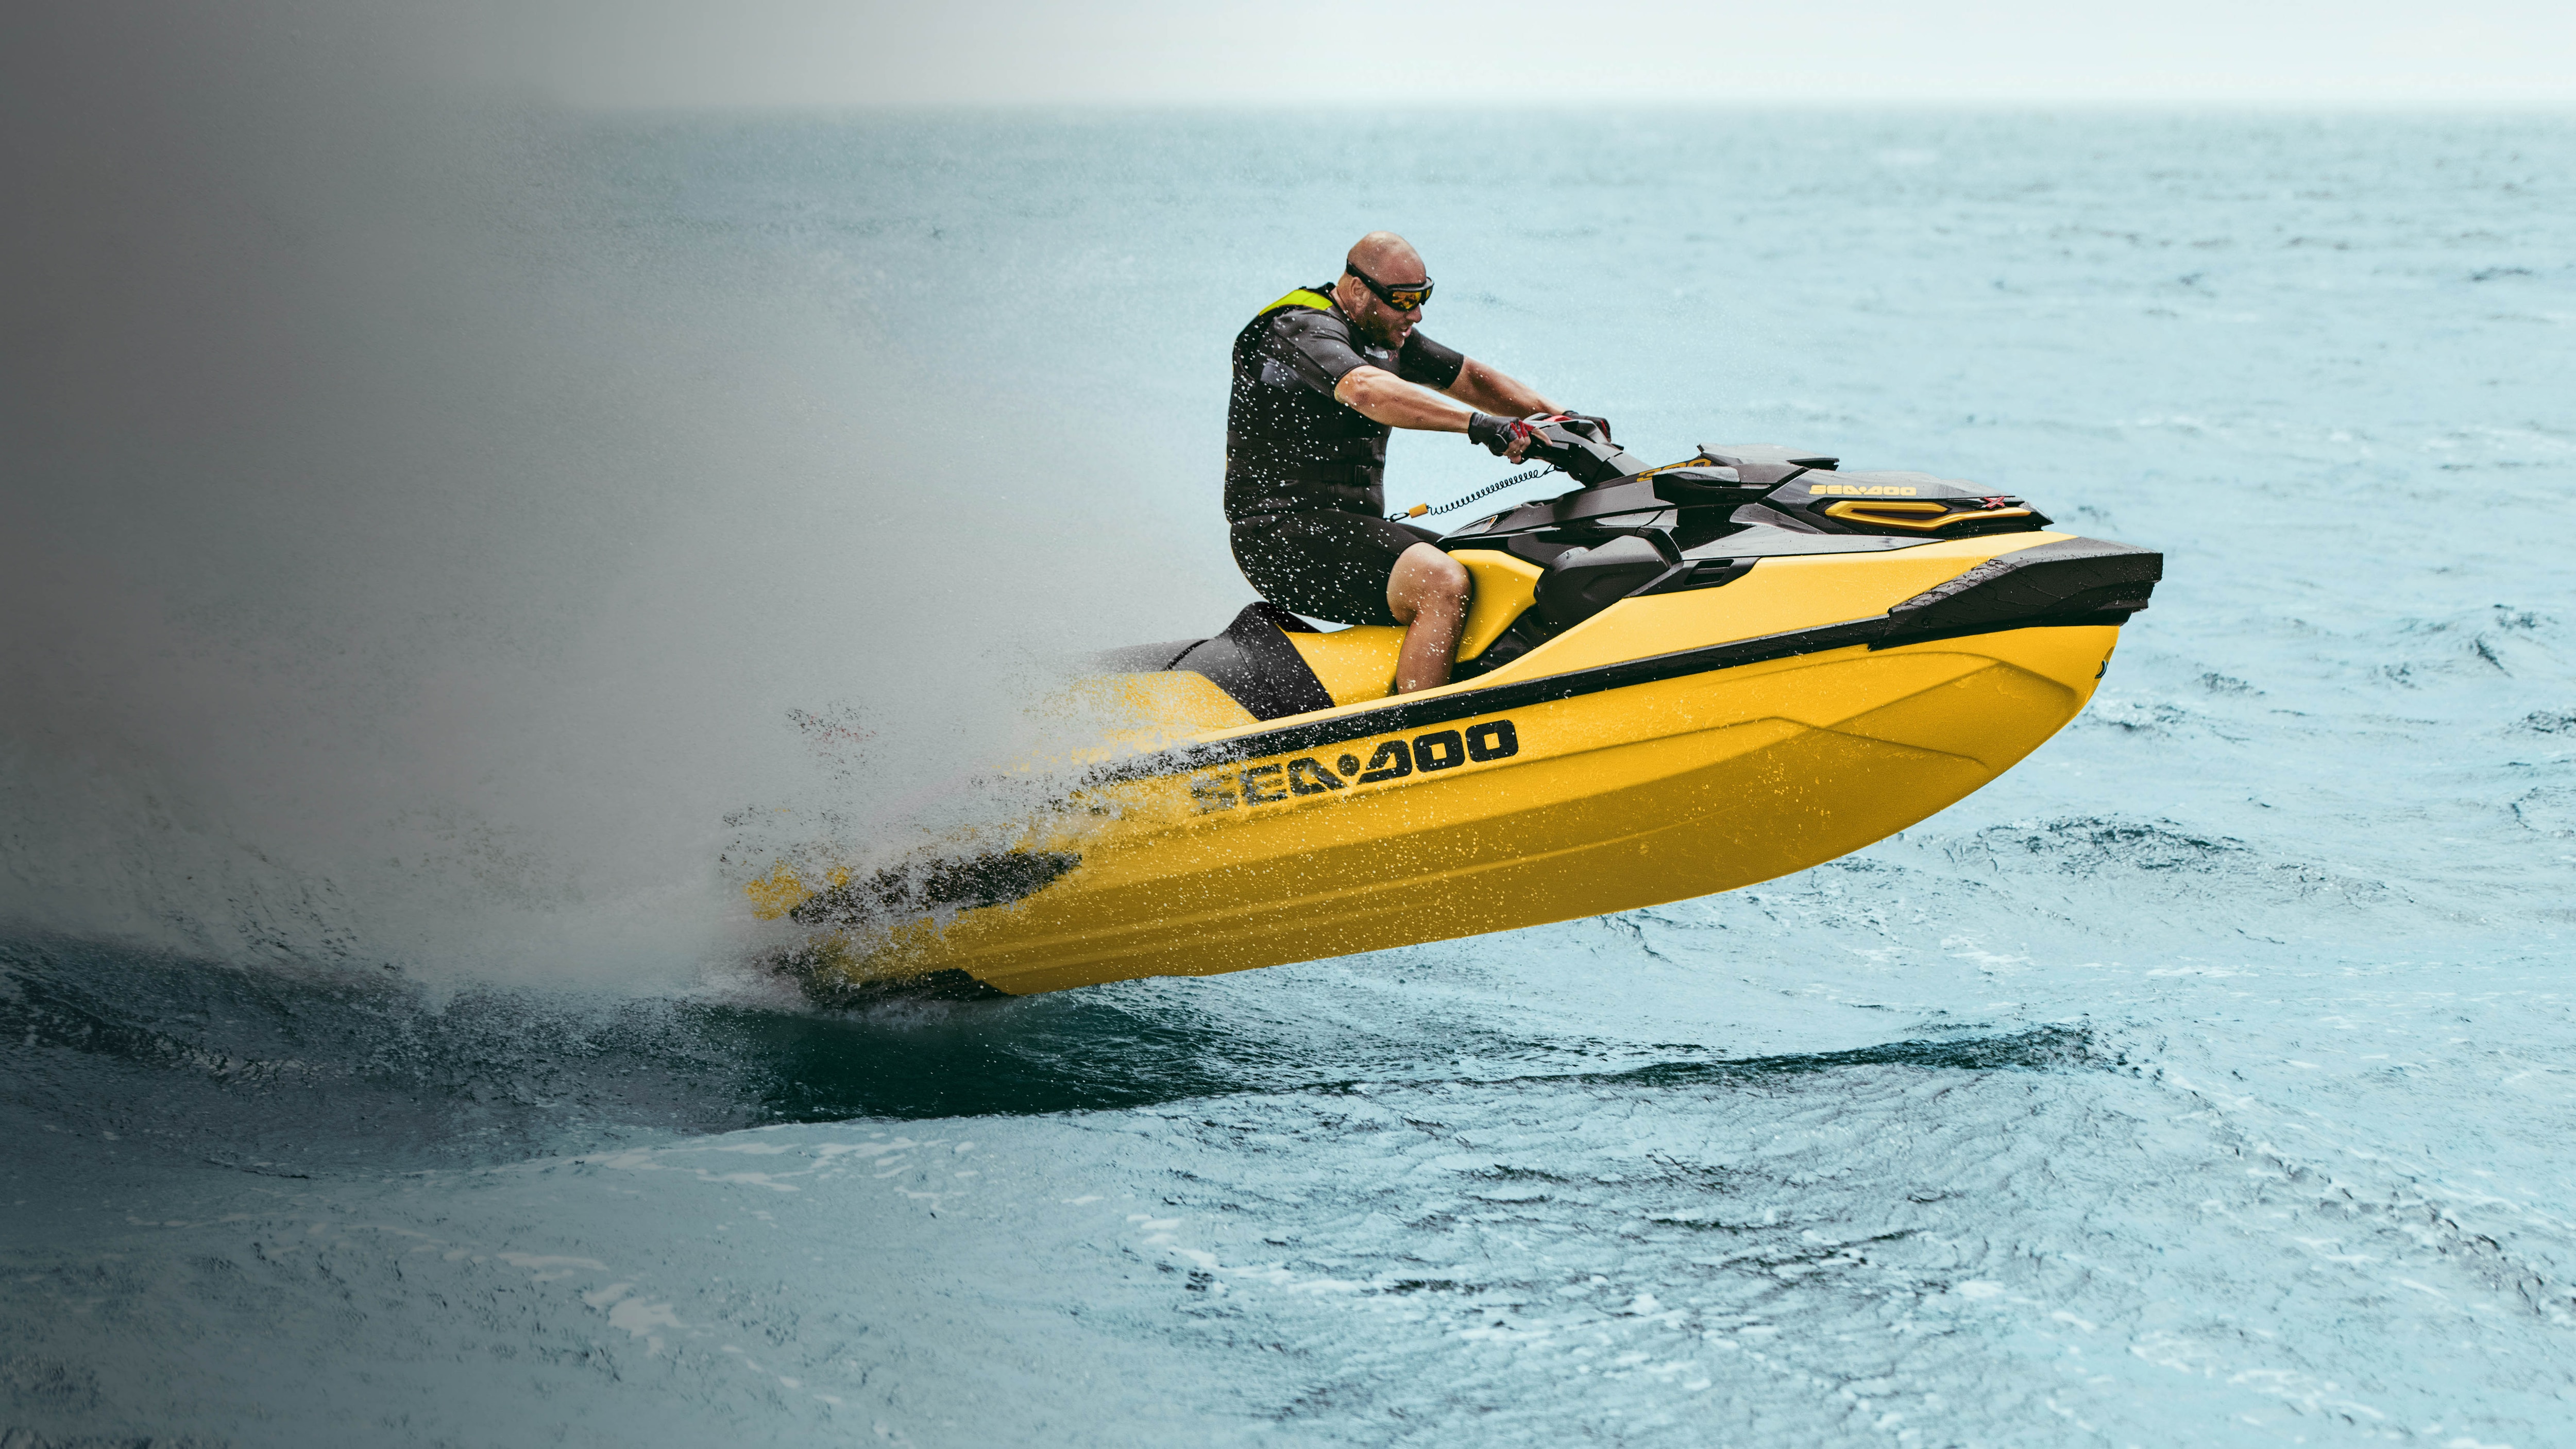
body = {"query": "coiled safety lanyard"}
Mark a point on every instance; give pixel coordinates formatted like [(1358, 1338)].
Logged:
[(1420, 510)]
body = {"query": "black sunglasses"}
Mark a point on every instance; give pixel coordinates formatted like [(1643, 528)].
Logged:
[(1402, 299)]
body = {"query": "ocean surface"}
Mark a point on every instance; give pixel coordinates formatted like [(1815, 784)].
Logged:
[(388, 1055)]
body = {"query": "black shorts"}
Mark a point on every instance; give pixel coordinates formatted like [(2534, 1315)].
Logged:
[(1325, 565)]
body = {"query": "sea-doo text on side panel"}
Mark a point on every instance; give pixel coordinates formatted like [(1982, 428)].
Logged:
[(1675, 680)]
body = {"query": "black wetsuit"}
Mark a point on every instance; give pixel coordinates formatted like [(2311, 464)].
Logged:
[(1304, 475)]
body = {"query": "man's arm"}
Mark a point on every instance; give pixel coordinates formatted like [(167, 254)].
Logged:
[(1489, 389), (1382, 397)]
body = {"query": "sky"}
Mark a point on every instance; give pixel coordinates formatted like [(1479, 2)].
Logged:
[(815, 53)]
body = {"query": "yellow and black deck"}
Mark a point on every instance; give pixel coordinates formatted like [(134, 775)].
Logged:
[(1673, 744)]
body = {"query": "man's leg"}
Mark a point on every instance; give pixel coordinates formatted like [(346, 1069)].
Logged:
[(1428, 592)]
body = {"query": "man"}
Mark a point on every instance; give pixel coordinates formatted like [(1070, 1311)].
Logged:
[(1320, 377)]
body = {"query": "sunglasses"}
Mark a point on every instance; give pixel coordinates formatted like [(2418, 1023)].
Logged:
[(1402, 299)]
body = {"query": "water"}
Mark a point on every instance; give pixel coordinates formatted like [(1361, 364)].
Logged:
[(2204, 1081)]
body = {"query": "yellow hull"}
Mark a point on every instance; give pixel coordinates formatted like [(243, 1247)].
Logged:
[(1287, 840)]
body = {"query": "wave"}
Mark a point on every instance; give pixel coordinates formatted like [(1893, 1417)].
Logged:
[(313, 1070)]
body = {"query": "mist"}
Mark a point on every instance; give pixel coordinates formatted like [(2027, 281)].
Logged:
[(409, 562)]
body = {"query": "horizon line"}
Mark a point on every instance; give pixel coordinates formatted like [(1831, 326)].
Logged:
[(1739, 103)]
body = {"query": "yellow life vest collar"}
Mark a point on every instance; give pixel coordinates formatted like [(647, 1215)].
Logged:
[(1306, 297)]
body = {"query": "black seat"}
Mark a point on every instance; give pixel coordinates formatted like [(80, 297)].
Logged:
[(1254, 662)]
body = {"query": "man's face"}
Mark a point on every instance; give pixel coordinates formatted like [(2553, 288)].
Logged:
[(1379, 322)]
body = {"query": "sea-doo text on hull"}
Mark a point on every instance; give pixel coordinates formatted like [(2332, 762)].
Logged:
[(1673, 681)]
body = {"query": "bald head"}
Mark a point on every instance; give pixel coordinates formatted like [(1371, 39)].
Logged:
[(1387, 257), (1391, 262)]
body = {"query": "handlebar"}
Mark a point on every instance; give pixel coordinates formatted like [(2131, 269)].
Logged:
[(1581, 447)]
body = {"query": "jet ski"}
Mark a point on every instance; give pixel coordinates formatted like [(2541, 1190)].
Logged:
[(1674, 680)]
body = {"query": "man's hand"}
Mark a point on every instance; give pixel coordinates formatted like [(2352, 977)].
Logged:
[(1502, 437), (1597, 421)]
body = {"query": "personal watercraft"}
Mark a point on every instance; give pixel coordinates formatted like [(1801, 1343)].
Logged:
[(1674, 681)]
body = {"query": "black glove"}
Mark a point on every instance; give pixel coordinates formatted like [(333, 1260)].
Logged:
[(1499, 435), (1599, 422)]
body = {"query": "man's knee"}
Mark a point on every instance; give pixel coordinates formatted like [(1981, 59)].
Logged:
[(1433, 575), (1453, 581)]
